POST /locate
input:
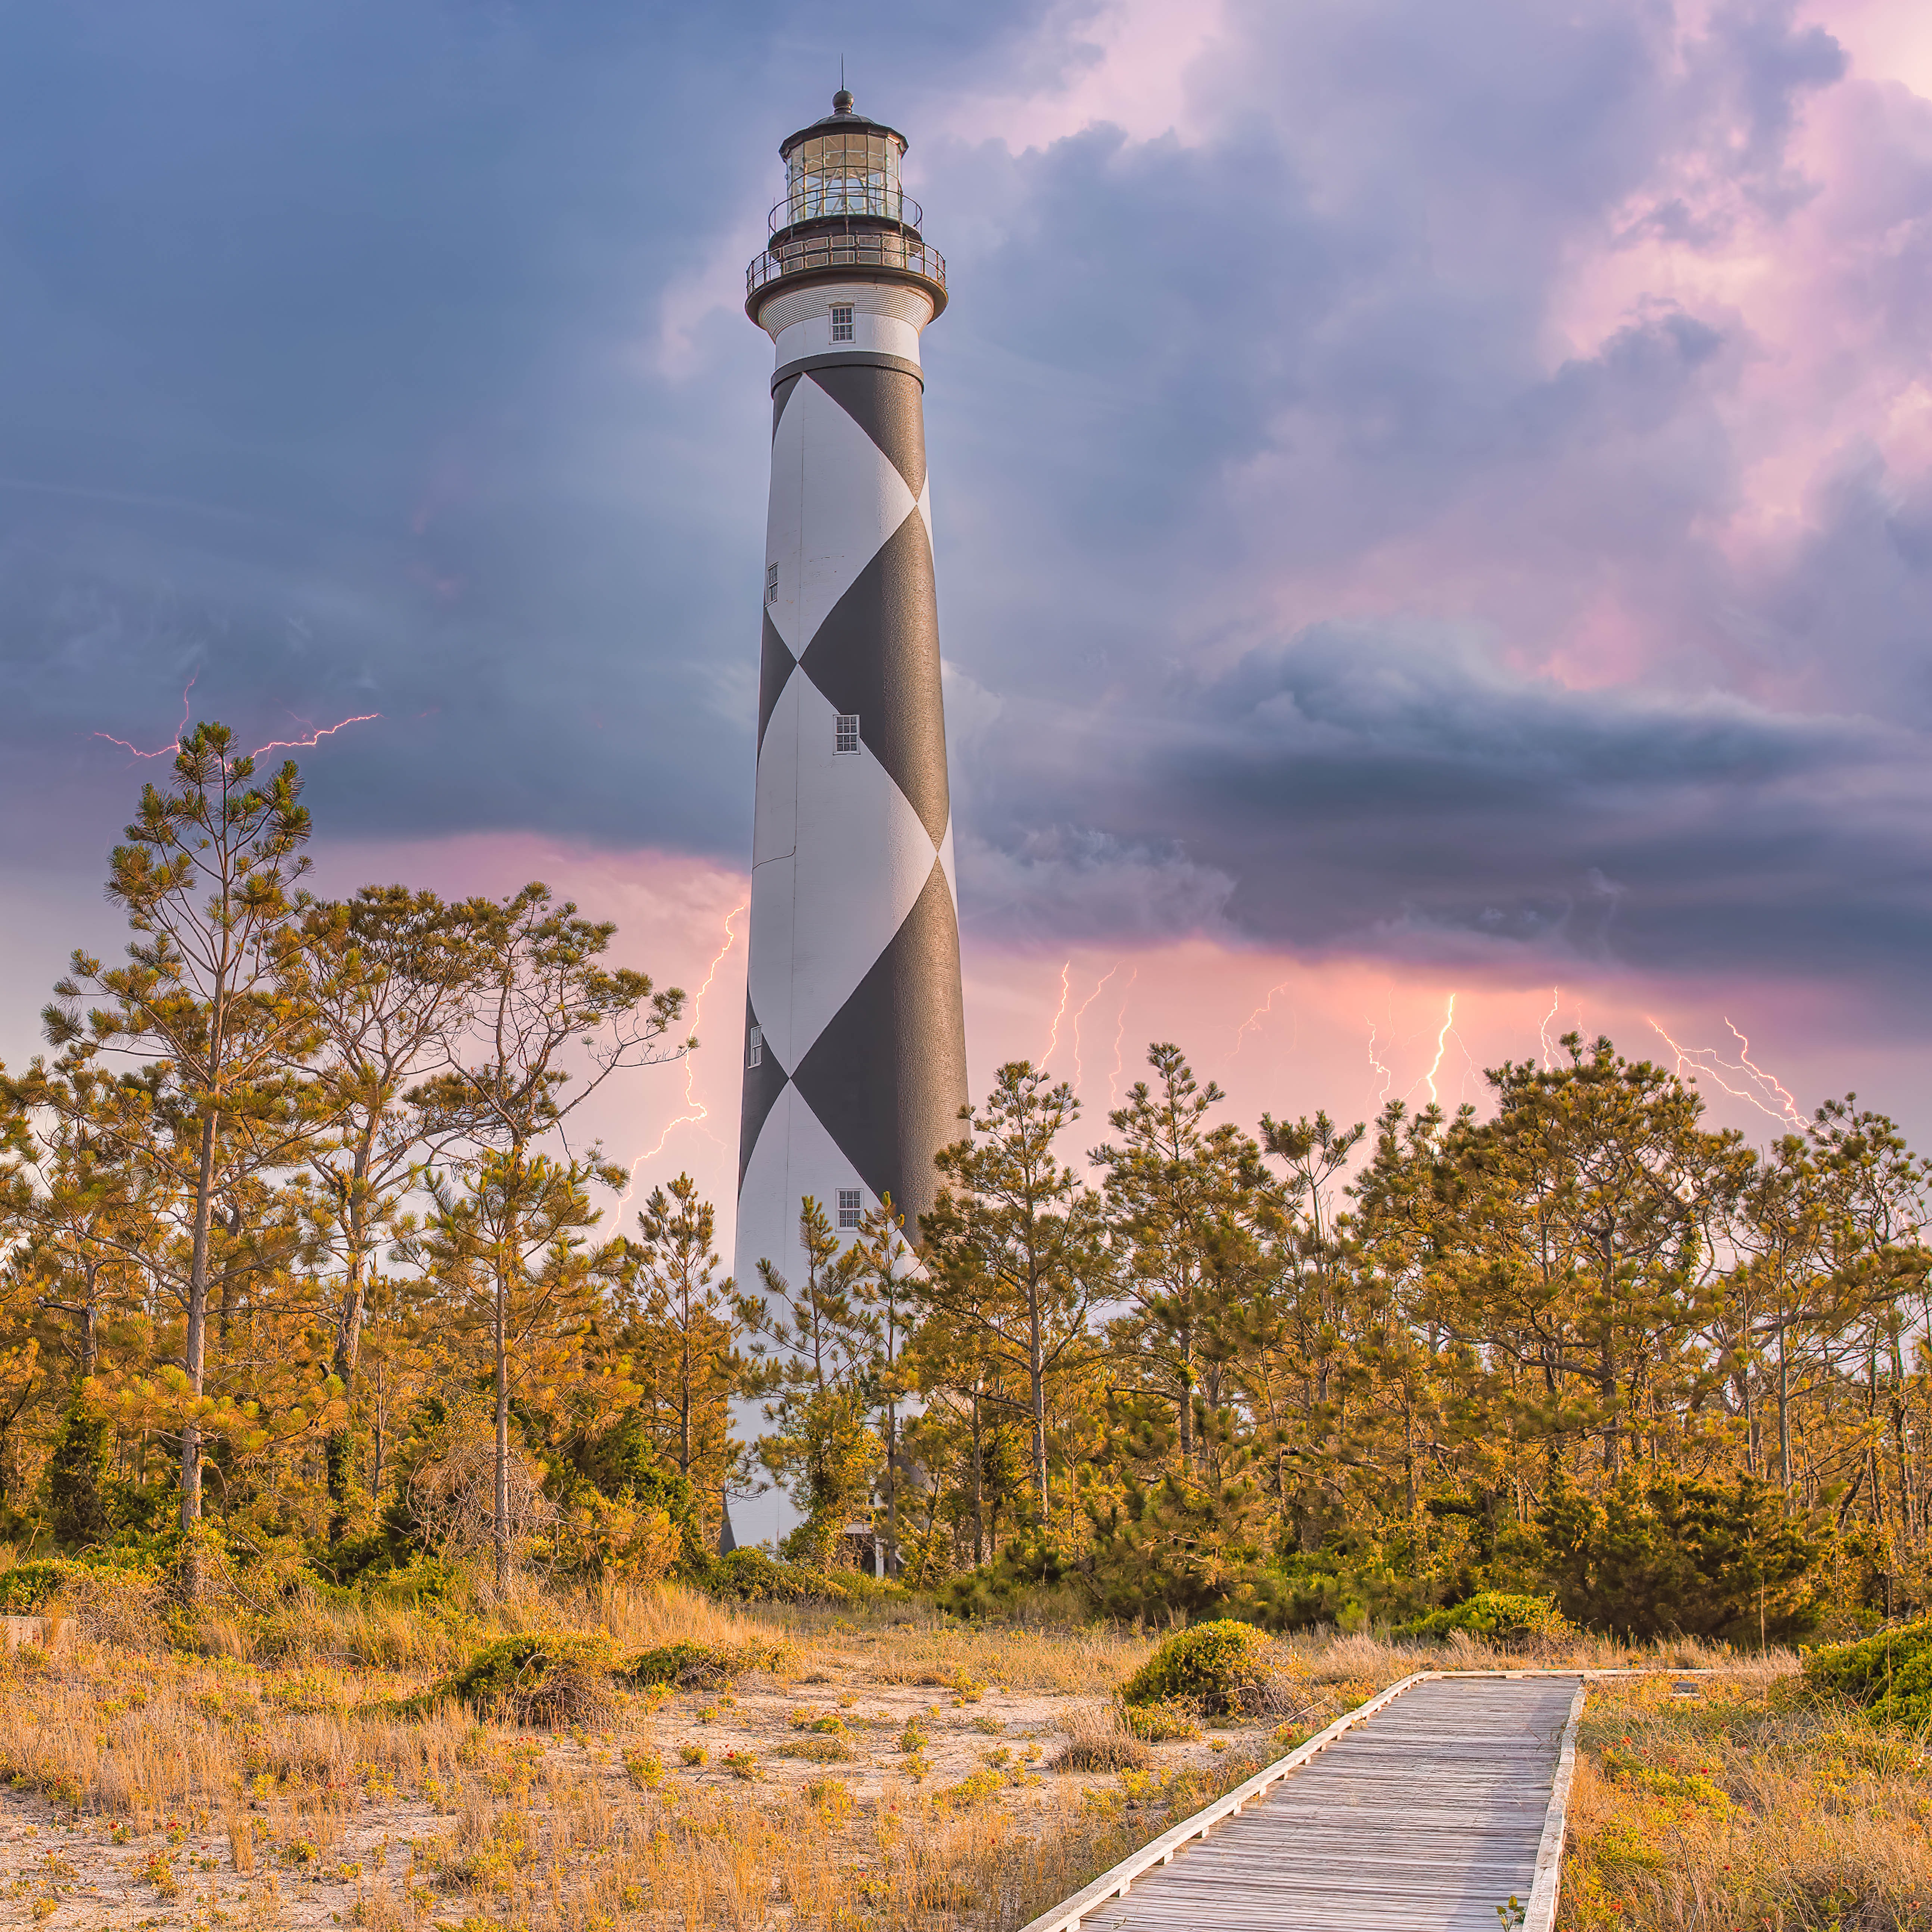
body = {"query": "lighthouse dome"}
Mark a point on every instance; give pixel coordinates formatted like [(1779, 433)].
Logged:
[(844, 164)]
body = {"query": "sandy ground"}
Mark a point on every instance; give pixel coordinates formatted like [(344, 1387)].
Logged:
[(66, 1875)]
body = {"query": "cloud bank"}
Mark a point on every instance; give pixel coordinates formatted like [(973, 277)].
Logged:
[(1450, 486)]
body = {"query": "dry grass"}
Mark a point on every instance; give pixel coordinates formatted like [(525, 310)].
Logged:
[(889, 1770), (1744, 1804), (274, 1778), (1098, 1738)]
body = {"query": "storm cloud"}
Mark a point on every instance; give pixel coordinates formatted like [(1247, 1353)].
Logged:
[(1459, 487)]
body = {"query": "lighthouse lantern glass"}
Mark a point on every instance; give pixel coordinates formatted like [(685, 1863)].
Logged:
[(844, 173)]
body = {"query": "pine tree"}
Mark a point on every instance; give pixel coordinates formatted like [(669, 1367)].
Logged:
[(545, 1000), (1178, 1190), (396, 978), (815, 1345), (217, 997), (1016, 1248), (683, 1334)]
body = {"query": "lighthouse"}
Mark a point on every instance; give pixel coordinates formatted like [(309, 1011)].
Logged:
[(855, 1039)]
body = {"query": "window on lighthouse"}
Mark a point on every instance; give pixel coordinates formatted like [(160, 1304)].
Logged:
[(848, 1207), (845, 737), (841, 325), (771, 583), (754, 1048)]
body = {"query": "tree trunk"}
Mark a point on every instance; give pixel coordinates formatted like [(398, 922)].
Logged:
[(343, 1359), (195, 1362), (378, 1422), (1901, 1443), (979, 1491), (500, 1527), (1606, 1393), (684, 1400), (90, 1330), (1037, 1374), (892, 1490)]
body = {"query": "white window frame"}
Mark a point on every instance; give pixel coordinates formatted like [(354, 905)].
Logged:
[(771, 583), (845, 742), (842, 325), (755, 1047), (851, 1207)]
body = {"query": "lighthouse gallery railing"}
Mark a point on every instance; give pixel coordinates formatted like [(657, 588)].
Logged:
[(864, 248)]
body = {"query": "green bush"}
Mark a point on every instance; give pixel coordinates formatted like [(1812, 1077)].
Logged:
[(1668, 1556), (25, 1587), (1160, 1724), (28, 1587), (751, 1577), (1220, 1668), (699, 1666), (1497, 1617), (539, 1678), (1890, 1674)]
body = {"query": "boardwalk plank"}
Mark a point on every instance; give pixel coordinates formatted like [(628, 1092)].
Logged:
[(1425, 1820)]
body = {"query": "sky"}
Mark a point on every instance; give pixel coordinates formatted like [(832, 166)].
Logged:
[(1433, 506)]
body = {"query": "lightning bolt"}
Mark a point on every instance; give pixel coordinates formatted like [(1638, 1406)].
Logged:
[(1376, 1066), (1254, 1019), (173, 744), (1441, 1047), (1120, 1040), (701, 1113), (1543, 1031), (1690, 1058), (1060, 1013), (1777, 1086), (1078, 1073), (316, 737)]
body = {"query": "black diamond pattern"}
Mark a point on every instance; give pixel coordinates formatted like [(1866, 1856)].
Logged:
[(887, 1076), (781, 396), (763, 1084), (775, 666), (890, 405), (877, 654)]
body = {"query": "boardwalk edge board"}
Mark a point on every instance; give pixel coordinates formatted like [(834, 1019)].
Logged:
[(1540, 1915), (1114, 1882)]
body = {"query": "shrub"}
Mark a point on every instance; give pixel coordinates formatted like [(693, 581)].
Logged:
[(1097, 1740), (1890, 1674), (1159, 1723), (1497, 1617), (417, 1583), (817, 1750), (700, 1666), (751, 1577), (818, 1720), (832, 1798), (117, 1603), (539, 1679), (1673, 1557), (27, 1586), (1220, 1668)]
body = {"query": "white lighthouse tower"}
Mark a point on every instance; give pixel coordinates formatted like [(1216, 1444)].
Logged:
[(855, 1043)]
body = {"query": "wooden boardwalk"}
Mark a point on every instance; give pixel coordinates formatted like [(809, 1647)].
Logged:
[(1424, 1818)]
